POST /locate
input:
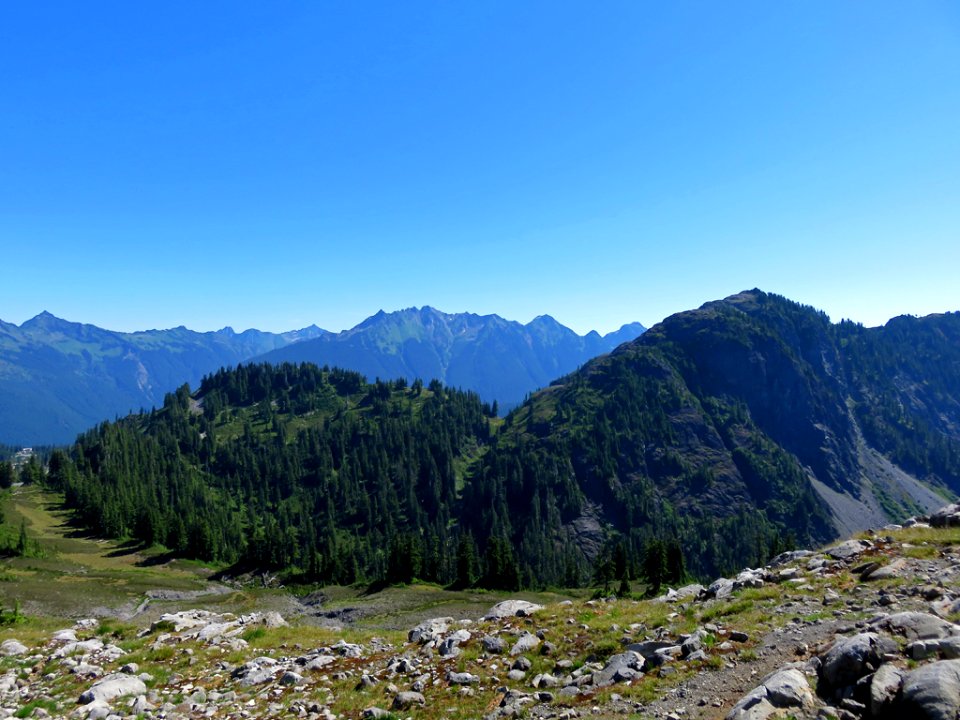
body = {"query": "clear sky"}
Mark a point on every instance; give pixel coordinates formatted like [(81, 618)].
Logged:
[(278, 164)]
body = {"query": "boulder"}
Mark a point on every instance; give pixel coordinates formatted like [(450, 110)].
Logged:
[(624, 666), (11, 647), (788, 557), (885, 688), (720, 588), (65, 636), (947, 516), (785, 688), (512, 608), (917, 626), (493, 645), (429, 630), (525, 643), (932, 692), (648, 649), (112, 687), (462, 678), (849, 549), (852, 658), (788, 688), (318, 662), (885, 572), (376, 713), (407, 699)]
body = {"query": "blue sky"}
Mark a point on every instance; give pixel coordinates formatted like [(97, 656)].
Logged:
[(278, 164)]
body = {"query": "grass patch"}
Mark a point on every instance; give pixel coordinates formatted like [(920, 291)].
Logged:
[(736, 607), (27, 710)]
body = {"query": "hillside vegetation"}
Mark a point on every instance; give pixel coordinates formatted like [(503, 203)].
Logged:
[(717, 439)]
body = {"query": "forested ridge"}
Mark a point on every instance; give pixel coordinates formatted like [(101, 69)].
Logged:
[(693, 448)]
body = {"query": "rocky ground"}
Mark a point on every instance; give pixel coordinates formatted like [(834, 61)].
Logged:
[(863, 629)]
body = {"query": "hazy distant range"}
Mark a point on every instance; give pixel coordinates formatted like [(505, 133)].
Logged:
[(59, 378)]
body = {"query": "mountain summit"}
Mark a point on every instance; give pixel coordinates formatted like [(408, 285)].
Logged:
[(501, 360)]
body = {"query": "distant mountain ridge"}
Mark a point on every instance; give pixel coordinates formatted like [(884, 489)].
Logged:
[(499, 359), (57, 378)]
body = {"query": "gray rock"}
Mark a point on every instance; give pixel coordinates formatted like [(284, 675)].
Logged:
[(257, 677), (545, 680), (851, 658), (788, 557), (932, 692), (429, 630), (65, 636), (345, 649), (449, 648), (319, 662), (949, 648), (291, 678), (922, 649), (691, 645), (788, 688), (462, 678), (917, 626), (113, 686), (752, 707), (648, 648), (885, 572), (516, 675), (79, 648), (493, 645), (376, 713), (407, 699), (947, 516), (624, 666), (521, 663), (720, 588), (785, 688), (512, 608), (525, 643), (849, 549), (884, 688), (12, 647)]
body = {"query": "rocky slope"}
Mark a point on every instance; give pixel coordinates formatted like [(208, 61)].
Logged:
[(862, 629)]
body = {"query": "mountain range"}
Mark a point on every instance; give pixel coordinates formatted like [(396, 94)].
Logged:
[(718, 438), (58, 378), (499, 359)]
